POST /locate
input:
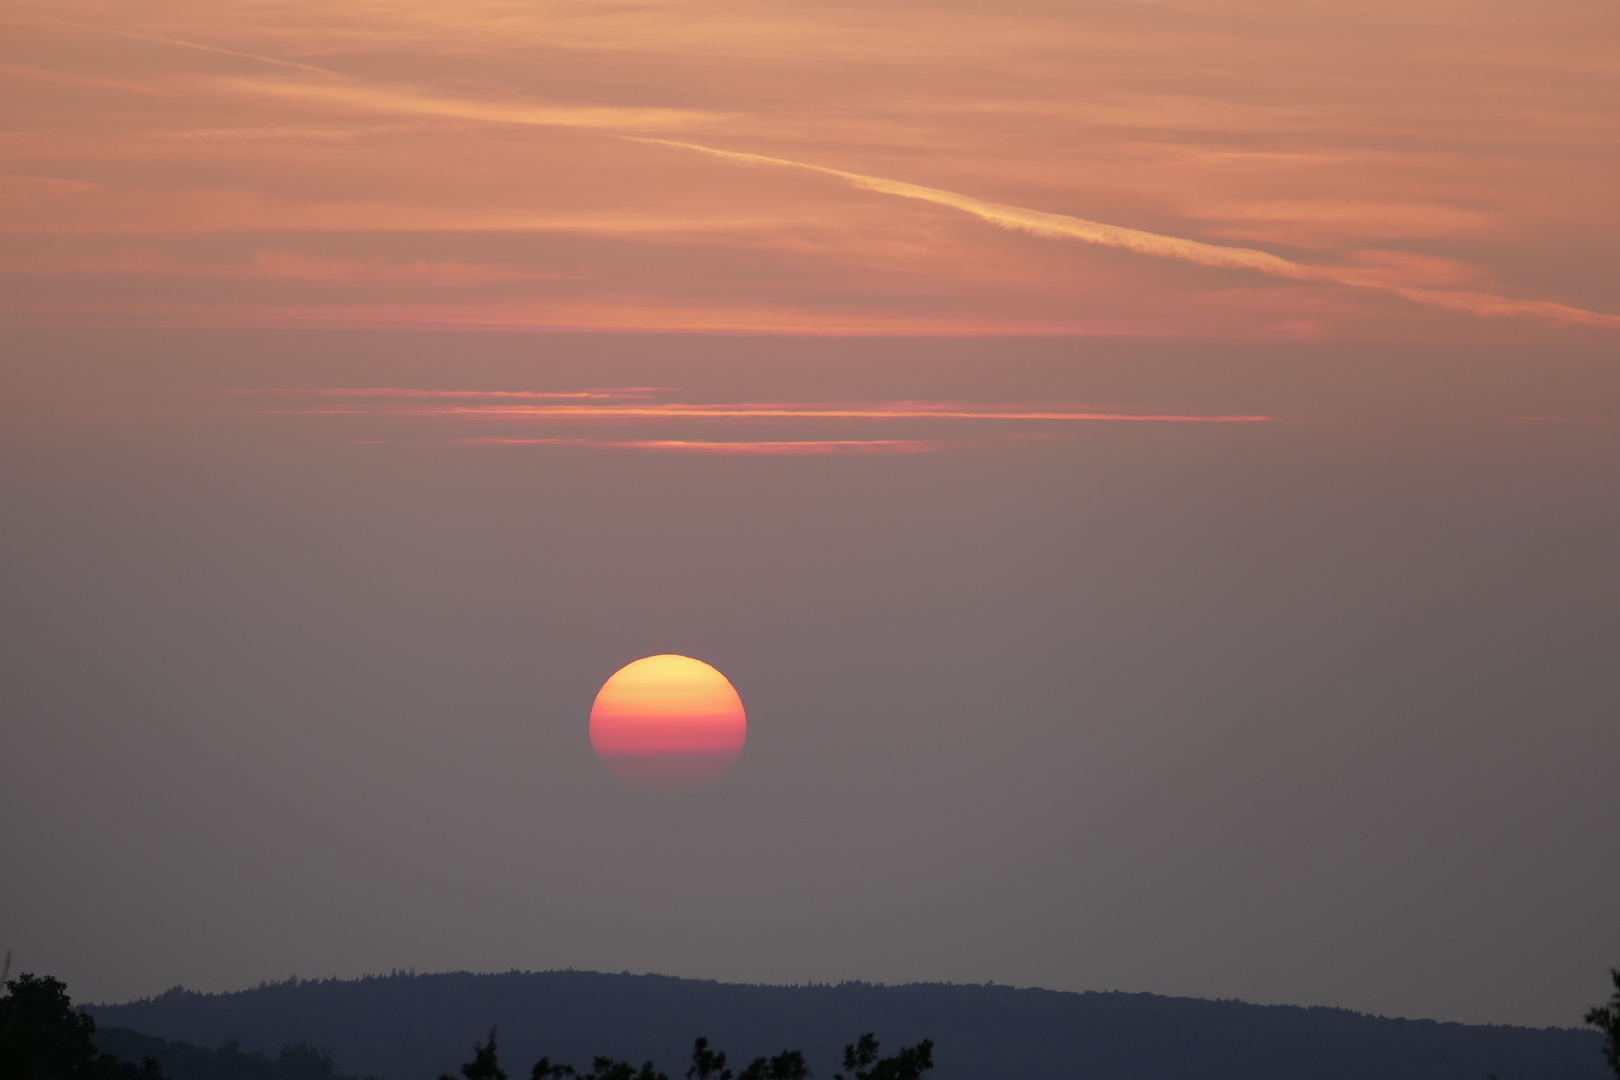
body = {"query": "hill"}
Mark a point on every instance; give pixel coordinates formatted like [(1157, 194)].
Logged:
[(411, 1027)]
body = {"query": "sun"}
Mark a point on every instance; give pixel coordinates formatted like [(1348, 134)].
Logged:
[(669, 724)]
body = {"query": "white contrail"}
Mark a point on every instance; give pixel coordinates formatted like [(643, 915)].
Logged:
[(1064, 227), (1037, 222)]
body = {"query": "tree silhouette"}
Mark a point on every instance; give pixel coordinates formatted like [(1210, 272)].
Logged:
[(707, 1063), (862, 1061), (1606, 1018), (545, 1070), (860, 1058), (485, 1065), (788, 1065), (605, 1068), (40, 1033), (42, 1037)]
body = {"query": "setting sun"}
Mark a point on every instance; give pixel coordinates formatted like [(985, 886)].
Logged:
[(668, 723)]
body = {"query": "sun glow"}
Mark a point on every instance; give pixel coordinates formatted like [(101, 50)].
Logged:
[(668, 723)]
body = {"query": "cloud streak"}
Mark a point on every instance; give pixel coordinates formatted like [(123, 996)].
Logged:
[(614, 393), (780, 448), (769, 411), (631, 407), (1034, 222)]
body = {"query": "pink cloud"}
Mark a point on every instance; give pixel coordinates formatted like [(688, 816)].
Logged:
[(778, 448)]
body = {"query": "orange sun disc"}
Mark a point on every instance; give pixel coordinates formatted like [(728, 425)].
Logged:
[(668, 723)]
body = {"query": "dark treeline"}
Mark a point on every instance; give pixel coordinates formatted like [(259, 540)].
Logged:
[(410, 1027), (1606, 1018), (861, 1062)]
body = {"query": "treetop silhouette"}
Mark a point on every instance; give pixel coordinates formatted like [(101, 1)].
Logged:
[(861, 1061), (860, 1058), (43, 1037), (1606, 1018)]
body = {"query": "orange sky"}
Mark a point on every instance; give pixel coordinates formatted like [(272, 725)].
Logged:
[(1205, 167)]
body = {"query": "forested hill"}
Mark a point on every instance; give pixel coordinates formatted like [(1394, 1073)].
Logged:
[(410, 1027)]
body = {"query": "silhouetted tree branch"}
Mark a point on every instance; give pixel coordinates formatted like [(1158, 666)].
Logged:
[(862, 1061), (545, 1070), (486, 1063), (788, 1065), (1606, 1018), (605, 1068), (43, 1037), (707, 1063)]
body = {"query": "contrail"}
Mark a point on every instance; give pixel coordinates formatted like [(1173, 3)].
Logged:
[(1490, 304), (1065, 227), (1036, 222)]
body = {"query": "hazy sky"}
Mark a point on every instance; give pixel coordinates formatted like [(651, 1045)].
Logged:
[(1149, 470)]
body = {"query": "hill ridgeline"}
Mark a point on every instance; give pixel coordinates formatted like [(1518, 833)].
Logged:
[(414, 1027)]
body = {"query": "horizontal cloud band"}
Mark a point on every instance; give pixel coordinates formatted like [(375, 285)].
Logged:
[(891, 410), (627, 407)]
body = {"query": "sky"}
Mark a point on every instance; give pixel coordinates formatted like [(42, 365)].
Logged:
[(1148, 470)]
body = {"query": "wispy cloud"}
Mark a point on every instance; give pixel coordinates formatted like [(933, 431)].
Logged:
[(780, 448), (517, 414), (593, 393), (1035, 222), (766, 411), (1489, 304)]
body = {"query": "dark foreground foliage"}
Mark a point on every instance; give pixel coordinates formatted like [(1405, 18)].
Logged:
[(42, 1037), (860, 1058), (1606, 1018)]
